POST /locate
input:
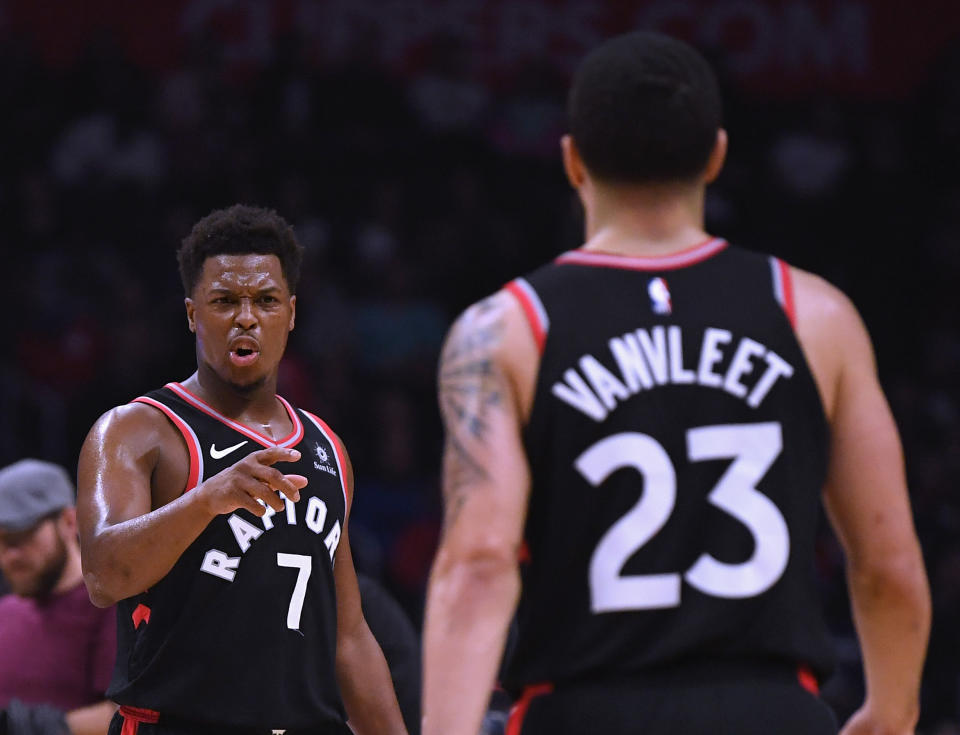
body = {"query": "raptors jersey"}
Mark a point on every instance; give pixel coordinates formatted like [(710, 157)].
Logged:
[(242, 630), (678, 446)]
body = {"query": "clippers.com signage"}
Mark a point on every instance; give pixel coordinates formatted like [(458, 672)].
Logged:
[(870, 48)]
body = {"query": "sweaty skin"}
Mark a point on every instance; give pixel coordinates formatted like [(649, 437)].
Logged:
[(135, 519)]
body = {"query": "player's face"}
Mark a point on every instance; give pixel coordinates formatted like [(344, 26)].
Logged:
[(241, 312), (32, 561)]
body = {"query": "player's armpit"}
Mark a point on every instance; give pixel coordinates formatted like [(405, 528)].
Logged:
[(827, 326)]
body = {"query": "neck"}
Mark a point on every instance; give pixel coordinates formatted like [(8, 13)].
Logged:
[(232, 400), (643, 220)]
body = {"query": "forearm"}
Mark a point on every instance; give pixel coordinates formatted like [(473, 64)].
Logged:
[(91, 720), (127, 558), (891, 609), (469, 607), (366, 686)]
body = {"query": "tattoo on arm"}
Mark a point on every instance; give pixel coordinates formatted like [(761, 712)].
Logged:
[(470, 387)]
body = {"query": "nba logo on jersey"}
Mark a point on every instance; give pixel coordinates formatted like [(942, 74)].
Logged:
[(659, 296)]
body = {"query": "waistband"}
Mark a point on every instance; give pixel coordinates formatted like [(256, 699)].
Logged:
[(687, 673), (140, 715)]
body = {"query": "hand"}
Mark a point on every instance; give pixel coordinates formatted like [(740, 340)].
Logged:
[(865, 721), (252, 483)]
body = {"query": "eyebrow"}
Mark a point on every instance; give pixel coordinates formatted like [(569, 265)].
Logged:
[(228, 290)]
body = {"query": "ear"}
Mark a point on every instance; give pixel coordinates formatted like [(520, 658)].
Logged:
[(191, 318), (572, 163), (68, 521), (717, 156), (293, 311)]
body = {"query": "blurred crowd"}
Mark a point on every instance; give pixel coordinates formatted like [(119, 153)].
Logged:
[(414, 194)]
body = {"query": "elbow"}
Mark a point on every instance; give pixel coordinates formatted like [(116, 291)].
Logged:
[(99, 592), (105, 585), (481, 563), (473, 591), (898, 575)]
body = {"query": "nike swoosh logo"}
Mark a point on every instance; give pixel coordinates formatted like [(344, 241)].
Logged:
[(221, 453)]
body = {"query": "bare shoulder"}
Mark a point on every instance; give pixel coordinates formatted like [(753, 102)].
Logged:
[(822, 303), (491, 339), (133, 425), (133, 441), (484, 326), (831, 333), (486, 380)]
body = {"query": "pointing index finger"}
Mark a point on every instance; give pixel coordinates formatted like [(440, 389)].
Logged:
[(271, 455)]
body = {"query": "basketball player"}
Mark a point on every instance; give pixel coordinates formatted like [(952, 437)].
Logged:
[(648, 424), (215, 514)]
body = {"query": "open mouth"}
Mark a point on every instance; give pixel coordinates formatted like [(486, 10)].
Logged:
[(244, 352)]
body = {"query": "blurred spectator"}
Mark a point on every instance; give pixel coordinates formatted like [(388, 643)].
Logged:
[(445, 96), (58, 649), (530, 119), (810, 162)]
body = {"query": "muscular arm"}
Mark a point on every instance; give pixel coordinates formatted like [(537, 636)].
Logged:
[(475, 582), (362, 671), (129, 536), (867, 503)]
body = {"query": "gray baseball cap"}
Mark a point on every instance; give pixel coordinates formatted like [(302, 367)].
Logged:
[(31, 490)]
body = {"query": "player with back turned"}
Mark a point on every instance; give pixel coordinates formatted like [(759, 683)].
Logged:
[(639, 436), (215, 515)]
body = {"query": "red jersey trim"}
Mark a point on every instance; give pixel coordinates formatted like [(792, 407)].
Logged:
[(133, 716), (193, 444), (519, 710), (783, 289), (523, 555), (297, 434), (533, 309), (681, 259), (139, 714), (338, 454), (807, 680), (292, 439)]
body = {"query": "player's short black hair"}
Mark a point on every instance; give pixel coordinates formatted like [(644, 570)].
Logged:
[(644, 108), (239, 230)]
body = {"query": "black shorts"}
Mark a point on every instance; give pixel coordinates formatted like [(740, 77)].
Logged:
[(716, 700), (133, 721)]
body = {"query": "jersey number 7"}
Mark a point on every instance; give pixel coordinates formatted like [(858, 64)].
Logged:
[(753, 449)]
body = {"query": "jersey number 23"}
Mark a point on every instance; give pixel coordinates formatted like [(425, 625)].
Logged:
[(753, 448)]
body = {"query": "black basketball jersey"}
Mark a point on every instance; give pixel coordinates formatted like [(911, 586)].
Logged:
[(242, 630), (678, 446)]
